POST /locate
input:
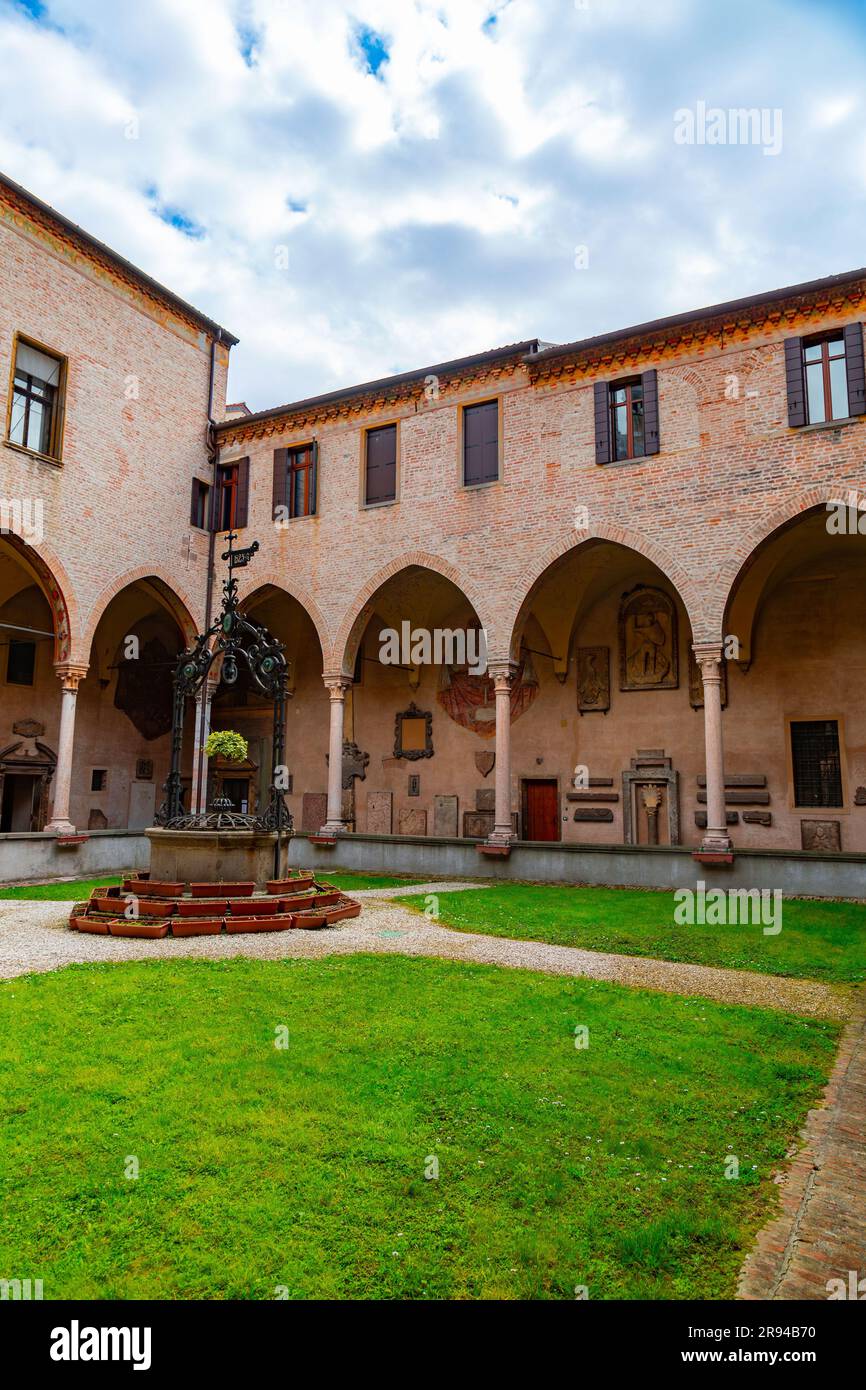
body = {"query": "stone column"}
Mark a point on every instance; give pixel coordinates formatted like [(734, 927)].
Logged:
[(70, 676), (337, 687), (716, 838), (503, 679), (203, 701)]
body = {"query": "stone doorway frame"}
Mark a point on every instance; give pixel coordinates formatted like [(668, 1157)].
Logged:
[(650, 771)]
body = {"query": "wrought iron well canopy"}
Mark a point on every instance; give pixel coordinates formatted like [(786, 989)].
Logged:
[(232, 638)]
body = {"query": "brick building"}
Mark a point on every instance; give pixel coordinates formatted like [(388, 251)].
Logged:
[(643, 525)]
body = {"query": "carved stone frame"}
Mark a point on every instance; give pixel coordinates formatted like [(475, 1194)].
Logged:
[(671, 680), (650, 776), (413, 754)]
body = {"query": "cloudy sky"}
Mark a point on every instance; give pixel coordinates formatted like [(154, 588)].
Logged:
[(361, 188)]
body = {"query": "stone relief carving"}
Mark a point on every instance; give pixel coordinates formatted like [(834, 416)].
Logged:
[(593, 679), (647, 640)]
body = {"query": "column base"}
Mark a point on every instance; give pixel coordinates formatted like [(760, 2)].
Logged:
[(60, 827), (716, 842), (332, 828)]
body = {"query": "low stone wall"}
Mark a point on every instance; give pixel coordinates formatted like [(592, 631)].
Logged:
[(806, 875), (39, 858)]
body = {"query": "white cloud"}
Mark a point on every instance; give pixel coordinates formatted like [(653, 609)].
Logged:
[(433, 208)]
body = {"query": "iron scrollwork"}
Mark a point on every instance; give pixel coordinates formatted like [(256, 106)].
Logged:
[(235, 638)]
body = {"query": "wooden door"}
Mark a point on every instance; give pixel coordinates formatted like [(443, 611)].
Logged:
[(540, 809)]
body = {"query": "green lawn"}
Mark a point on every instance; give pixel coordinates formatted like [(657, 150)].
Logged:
[(80, 888), (818, 940), (304, 1169)]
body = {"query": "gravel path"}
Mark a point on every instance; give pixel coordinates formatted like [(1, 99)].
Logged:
[(34, 937)]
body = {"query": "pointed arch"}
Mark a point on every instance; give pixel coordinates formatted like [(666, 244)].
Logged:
[(179, 604), (345, 646), (526, 587), (57, 588)]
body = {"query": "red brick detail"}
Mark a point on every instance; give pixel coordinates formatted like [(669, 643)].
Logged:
[(56, 586), (180, 606), (820, 1233), (345, 647)]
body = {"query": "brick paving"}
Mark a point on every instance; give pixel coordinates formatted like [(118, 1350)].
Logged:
[(821, 1231)]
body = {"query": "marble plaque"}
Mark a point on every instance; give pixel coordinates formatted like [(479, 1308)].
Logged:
[(445, 816), (647, 640), (821, 835), (379, 813), (314, 811), (593, 679), (412, 821), (477, 825), (485, 799)]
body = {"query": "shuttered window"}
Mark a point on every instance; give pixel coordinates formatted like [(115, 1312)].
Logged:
[(481, 443), (816, 762), (381, 465), (198, 504), (232, 499), (626, 418), (825, 376)]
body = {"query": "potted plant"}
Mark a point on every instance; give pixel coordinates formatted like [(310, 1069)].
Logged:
[(232, 748)]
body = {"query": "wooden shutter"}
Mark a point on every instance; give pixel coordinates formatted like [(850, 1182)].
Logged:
[(314, 477), (649, 381), (481, 443), (194, 501), (795, 381), (602, 422), (381, 446), (853, 336), (242, 505), (281, 484)]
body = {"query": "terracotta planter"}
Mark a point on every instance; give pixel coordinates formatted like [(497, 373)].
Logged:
[(151, 930), (91, 925), (136, 878), (222, 890), (316, 917), (196, 926), (152, 888), (153, 907), (280, 886), (258, 907), (249, 924), (201, 907), (112, 905)]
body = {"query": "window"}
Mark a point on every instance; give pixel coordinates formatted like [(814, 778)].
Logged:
[(232, 498), (35, 409), (826, 379), (816, 762), (295, 481), (199, 504), (480, 443), (21, 662), (98, 779), (626, 417), (626, 405), (381, 469)]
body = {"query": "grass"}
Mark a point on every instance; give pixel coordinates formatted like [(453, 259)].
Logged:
[(73, 891), (300, 1172), (79, 889), (818, 941)]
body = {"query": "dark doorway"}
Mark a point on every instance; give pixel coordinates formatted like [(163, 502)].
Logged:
[(540, 809), (20, 806)]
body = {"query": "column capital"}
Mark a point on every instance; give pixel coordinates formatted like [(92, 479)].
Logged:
[(502, 673), (708, 655), (70, 674), (337, 685)]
